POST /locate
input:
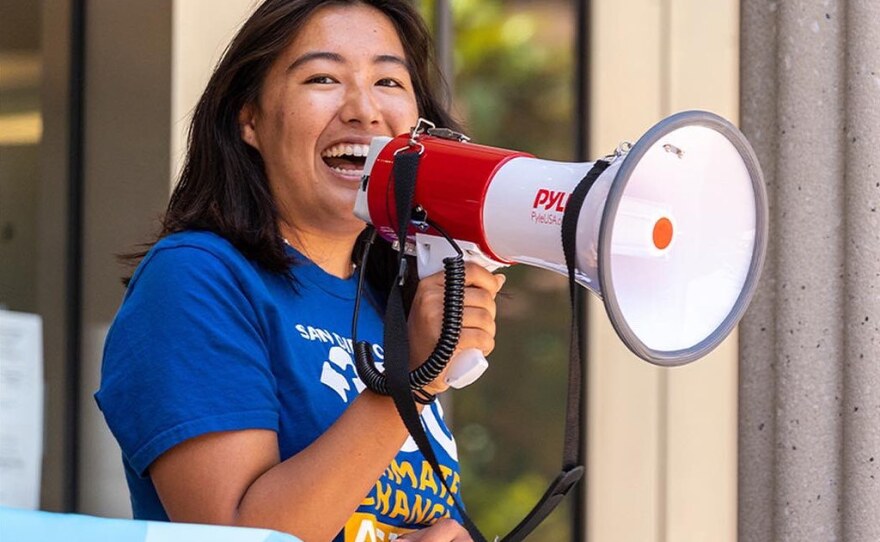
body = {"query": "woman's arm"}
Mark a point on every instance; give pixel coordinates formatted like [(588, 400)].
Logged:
[(235, 478)]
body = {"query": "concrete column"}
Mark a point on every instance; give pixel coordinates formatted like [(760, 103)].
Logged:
[(757, 422), (861, 405), (809, 406), (809, 312)]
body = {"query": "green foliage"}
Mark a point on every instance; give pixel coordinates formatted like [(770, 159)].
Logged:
[(513, 88), (513, 84)]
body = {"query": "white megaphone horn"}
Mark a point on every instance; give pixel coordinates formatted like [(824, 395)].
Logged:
[(671, 236)]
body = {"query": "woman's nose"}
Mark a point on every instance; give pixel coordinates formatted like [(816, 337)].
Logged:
[(360, 107)]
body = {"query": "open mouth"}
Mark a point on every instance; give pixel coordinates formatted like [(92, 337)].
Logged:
[(346, 159)]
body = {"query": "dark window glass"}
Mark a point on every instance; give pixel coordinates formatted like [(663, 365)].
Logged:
[(20, 135)]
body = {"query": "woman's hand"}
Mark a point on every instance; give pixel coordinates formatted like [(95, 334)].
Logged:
[(478, 321), (445, 530)]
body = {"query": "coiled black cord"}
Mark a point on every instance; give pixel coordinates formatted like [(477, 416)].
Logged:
[(450, 330)]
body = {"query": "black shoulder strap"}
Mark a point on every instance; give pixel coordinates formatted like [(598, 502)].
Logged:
[(575, 373), (396, 332)]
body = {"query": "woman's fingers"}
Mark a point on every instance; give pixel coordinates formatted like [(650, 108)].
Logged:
[(476, 276), (445, 530), (476, 338), (478, 314), (478, 298), (480, 277)]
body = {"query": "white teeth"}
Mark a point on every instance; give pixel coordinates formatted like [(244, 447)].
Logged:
[(354, 173), (346, 149)]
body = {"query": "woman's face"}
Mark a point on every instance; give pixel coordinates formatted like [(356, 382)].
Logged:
[(342, 81)]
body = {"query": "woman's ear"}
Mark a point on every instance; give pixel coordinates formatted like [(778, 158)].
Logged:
[(247, 125)]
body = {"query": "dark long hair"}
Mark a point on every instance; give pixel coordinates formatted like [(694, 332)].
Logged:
[(223, 186)]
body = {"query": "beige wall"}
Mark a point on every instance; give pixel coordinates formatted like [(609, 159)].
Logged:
[(662, 442), (201, 31), (133, 110)]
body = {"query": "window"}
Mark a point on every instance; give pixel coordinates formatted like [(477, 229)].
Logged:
[(514, 68)]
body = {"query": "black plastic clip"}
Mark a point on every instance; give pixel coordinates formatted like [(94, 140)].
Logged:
[(401, 272)]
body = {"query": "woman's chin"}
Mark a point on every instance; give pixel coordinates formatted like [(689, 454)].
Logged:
[(346, 220)]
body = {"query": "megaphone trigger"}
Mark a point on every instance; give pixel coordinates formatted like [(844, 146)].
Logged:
[(431, 250), (466, 367)]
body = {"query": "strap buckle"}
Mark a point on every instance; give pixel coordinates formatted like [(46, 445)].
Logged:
[(566, 480), (621, 151), (421, 127), (446, 133)]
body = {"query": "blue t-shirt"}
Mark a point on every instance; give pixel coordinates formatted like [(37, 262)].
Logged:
[(207, 340)]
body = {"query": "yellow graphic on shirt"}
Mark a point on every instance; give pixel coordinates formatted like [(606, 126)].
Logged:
[(405, 494), (366, 528)]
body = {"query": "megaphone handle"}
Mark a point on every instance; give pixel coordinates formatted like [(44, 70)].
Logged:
[(466, 367)]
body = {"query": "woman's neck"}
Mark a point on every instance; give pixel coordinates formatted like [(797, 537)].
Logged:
[(330, 252)]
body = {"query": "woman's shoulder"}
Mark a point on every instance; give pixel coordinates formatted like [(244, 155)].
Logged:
[(193, 252), (198, 240)]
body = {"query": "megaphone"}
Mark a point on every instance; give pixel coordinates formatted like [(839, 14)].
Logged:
[(671, 236)]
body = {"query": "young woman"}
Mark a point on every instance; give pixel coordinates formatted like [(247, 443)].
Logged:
[(228, 377)]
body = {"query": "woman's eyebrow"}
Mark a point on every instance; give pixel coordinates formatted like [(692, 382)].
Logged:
[(336, 57), (391, 58), (315, 55)]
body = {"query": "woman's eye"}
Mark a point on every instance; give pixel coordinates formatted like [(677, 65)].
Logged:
[(388, 82), (321, 80)]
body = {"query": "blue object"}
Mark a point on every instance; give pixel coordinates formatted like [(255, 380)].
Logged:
[(34, 526)]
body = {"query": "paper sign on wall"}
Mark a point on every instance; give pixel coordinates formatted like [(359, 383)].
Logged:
[(21, 409)]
